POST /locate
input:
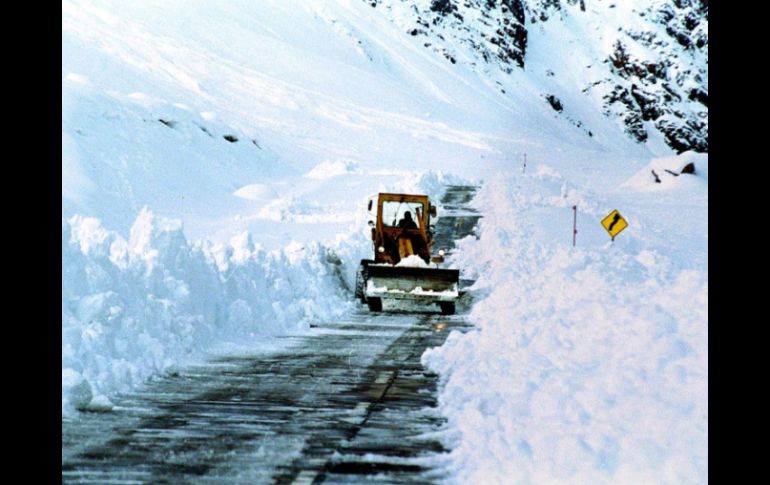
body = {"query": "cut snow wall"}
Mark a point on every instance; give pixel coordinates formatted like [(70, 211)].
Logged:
[(134, 308)]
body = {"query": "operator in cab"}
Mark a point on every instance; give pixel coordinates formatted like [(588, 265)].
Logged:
[(407, 222)]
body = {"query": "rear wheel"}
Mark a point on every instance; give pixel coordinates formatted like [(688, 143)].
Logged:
[(375, 304), (447, 307)]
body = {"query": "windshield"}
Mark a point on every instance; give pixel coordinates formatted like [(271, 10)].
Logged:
[(394, 214)]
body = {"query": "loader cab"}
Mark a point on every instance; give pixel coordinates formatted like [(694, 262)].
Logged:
[(393, 238)]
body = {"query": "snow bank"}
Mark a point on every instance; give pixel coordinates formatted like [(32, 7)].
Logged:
[(588, 364), (136, 307), (133, 308)]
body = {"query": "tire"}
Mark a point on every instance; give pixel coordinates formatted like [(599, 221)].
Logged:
[(361, 281), (360, 284), (447, 307), (375, 304)]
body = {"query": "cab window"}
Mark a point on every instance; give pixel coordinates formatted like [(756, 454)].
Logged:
[(394, 211)]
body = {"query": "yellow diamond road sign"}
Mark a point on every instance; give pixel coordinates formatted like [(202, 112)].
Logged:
[(614, 223)]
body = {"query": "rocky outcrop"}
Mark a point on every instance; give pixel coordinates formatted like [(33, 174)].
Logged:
[(663, 89), (670, 88), (493, 30)]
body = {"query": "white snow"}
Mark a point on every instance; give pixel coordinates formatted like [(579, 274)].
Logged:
[(413, 261), (216, 164), (100, 403), (328, 169), (256, 192), (76, 391), (644, 180), (587, 364), (133, 308), (444, 295)]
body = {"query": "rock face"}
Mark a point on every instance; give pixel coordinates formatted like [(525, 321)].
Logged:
[(655, 75), (493, 29), (669, 88)]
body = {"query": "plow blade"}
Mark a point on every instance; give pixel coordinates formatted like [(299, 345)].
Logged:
[(426, 284)]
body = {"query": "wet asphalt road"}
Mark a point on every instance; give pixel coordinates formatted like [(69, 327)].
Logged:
[(348, 402)]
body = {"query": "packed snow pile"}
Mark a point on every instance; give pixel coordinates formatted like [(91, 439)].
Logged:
[(413, 261), (587, 364), (133, 308)]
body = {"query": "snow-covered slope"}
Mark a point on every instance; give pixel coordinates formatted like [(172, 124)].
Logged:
[(262, 127), (151, 90)]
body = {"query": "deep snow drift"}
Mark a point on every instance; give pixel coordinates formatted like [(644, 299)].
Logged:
[(588, 364), (262, 129)]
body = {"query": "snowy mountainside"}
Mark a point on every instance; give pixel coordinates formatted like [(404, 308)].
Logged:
[(644, 64), (148, 98), (285, 81)]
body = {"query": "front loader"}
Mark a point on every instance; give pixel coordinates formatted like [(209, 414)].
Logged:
[(401, 269)]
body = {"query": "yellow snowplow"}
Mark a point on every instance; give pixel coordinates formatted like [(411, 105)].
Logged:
[(402, 237)]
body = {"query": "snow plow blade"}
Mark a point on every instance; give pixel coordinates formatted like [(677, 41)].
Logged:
[(407, 283)]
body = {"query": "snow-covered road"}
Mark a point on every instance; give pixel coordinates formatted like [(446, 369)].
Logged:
[(346, 403)]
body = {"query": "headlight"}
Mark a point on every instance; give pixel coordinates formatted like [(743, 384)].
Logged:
[(381, 249)]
